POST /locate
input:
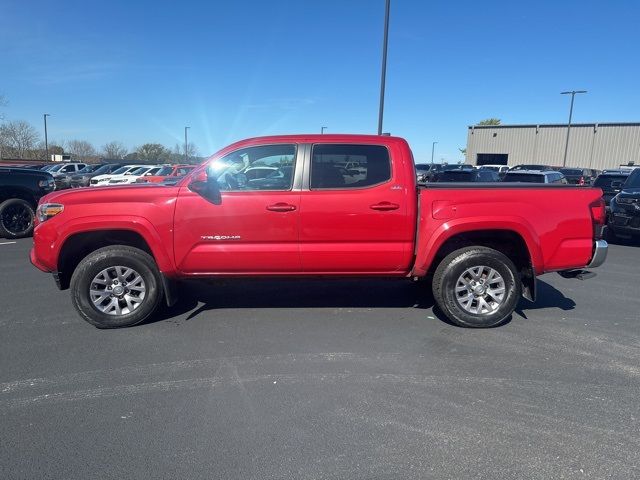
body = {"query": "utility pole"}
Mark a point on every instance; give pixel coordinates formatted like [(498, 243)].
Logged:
[(384, 65), (433, 148), (186, 145), (566, 147), (46, 140), (322, 129)]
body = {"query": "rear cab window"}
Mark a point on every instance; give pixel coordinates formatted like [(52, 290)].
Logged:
[(346, 166)]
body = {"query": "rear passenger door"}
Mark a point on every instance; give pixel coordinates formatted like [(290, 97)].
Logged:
[(354, 215)]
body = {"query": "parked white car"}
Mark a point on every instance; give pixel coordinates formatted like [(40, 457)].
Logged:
[(102, 180), (132, 175)]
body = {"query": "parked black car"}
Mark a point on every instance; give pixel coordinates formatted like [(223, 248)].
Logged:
[(426, 171), (624, 217), (20, 190), (611, 181), (579, 176), (84, 176), (536, 167), (468, 175)]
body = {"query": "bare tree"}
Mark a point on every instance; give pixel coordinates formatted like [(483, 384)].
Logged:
[(114, 150), (18, 139), (80, 150), (177, 155), (3, 103)]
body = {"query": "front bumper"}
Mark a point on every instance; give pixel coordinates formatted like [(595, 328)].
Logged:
[(600, 251)]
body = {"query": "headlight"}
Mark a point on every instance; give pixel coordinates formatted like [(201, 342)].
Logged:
[(48, 210), (47, 183)]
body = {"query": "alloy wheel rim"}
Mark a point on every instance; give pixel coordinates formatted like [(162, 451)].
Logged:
[(117, 290), (16, 219), (480, 290)]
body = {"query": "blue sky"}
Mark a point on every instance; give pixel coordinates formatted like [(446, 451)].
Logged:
[(139, 71)]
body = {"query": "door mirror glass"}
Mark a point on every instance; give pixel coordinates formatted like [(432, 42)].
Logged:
[(207, 187)]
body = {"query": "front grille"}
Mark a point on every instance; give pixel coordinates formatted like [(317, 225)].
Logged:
[(620, 221)]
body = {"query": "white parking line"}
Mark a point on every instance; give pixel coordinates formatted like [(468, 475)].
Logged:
[(7, 243)]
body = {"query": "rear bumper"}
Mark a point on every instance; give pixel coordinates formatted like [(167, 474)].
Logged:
[(600, 251)]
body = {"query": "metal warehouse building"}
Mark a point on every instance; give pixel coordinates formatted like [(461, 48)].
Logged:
[(591, 145)]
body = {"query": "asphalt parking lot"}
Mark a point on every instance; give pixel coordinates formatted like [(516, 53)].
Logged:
[(314, 379)]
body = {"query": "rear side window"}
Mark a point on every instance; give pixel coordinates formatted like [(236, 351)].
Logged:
[(349, 166)]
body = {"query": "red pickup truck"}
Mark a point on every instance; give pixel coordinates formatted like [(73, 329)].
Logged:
[(325, 205)]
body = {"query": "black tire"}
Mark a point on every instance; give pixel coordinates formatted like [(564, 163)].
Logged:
[(450, 270), (16, 218), (117, 255)]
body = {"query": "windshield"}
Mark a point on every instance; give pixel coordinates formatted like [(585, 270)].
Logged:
[(422, 168), (137, 171), (634, 179), (102, 169), (165, 171), (607, 180), (571, 171), (523, 177), (56, 168), (89, 169), (120, 170)]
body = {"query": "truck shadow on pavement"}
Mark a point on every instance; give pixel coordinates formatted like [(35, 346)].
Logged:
[(196, 297)]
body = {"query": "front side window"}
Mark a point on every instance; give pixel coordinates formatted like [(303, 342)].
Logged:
[(265, 167), (349, 166)]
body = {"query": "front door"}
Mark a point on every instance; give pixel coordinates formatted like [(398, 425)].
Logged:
[(255, 228)]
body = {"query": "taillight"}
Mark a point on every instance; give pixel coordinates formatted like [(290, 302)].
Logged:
[(581, 181), (598, 217)]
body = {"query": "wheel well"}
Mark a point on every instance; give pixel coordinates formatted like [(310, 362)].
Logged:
[(80, 245), (9, 193), (507, 242)]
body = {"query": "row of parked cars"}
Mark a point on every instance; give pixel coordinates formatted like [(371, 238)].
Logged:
[(76, 174), (620, 187), (22, 186), (502, 173)]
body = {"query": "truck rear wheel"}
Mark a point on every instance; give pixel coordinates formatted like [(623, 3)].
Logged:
[(116, 286), (477, 287), (16, 218)]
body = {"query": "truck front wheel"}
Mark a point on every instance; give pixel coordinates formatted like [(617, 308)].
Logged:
[(477, 287), (116, 286)]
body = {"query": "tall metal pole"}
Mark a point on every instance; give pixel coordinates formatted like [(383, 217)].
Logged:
[(46, 140), (186, 144), (322, 129), (384, 65), (566, 146), (433, 148)]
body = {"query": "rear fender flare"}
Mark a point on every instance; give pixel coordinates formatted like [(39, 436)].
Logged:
[(451, 228)]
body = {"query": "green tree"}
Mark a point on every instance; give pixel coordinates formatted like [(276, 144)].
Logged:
[(152, 152), (489, 121)]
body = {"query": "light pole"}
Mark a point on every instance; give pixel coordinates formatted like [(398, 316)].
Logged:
[(46, 140), (566, 147), (384, 65), (186, 144), (433, 148), (322, 129)]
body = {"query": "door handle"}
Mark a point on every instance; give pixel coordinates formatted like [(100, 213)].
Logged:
[(385, 206), (281, 207)]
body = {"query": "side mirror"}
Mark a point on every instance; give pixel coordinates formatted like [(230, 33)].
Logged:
[(207, 187)]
